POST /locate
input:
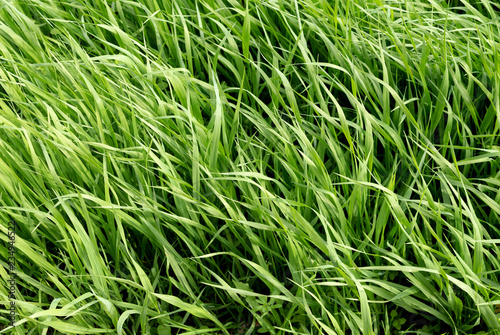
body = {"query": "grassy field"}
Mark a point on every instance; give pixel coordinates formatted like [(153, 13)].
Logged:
[(250, 166)]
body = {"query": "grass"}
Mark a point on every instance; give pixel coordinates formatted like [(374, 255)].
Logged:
[(241, 167)]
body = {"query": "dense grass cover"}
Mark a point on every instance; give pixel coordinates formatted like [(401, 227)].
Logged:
[(241, 166)]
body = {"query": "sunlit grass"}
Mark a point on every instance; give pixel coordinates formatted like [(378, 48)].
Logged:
[(241, 167)]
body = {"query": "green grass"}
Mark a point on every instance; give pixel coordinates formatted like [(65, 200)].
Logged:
[(241, 167)]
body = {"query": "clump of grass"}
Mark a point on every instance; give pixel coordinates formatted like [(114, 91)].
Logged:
[(232, 167)]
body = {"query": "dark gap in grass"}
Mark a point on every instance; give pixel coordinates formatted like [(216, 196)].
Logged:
[(456, 6)]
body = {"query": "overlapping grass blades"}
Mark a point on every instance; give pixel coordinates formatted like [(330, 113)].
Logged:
[(228, 167)]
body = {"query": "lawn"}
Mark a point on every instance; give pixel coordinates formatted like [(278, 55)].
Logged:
[(250, 166)]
